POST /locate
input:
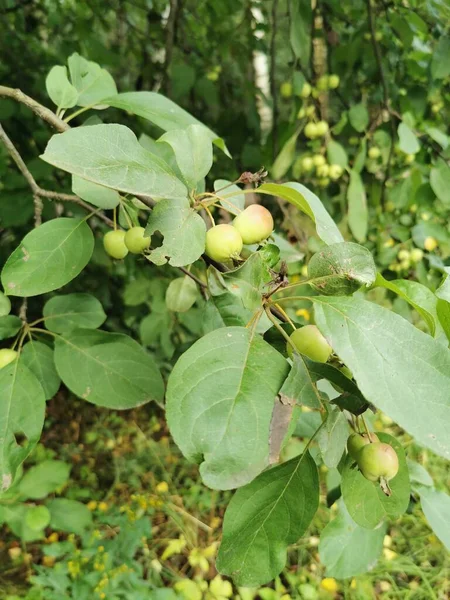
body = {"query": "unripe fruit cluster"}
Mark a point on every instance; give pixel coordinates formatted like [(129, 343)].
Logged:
[(252, 226), (118, 243), (316, 130), (376, 460), (328, 82), (318, 165)]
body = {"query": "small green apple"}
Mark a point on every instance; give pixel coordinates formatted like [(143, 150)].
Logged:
[(309, 341), (223, 243), (254, 224), (114, 244), (136, 241), (378, 460)]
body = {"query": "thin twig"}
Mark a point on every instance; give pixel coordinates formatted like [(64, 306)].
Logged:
[(41, 111), (194, 277)]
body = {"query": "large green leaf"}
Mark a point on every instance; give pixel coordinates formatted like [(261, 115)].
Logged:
[(5, 305), (69, 515), (70, 311), (407, 139), (161, 111), (98, 195), (359, 117), (264, 517), (418, 296), (285, 158), (366, 502), (300, 386), (184, 233), (401, 370), (92, 82), (336, 154), (39, 359), (234, 204), (111, 156), (220, 398), (43, 479), (298, 195), (346, 549), (436, 507), (9, 326), (22, 409), (48, 257), (358, 214), (107, 369), (440, 181), (440, 63), (300, 31), (341, 269), (59, 88), (193, 152)]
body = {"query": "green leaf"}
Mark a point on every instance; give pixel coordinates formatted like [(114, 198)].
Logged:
[(346, 549), (436, 508), (298, 195), (299, 386), (440, 181), (39, 359), (438, 136), (358, 214), (5, 305), (220, 398), (111, 156), (184, 233), (43, 479), (37, 517), (9, 326), (181, 294), (70, 311), (95, 194), (69, 515), (336, 154), (21, 418), (341, 269), (440, 63), (418, 296), (193, 152), (48, 257), (408, 142), (418, 474), (359, 117), (401, 370), (285, 158), (162, 112), (92, 82), (61, 91), (360, 158), (247, 282), (332, 438), (300, 31), (16, 518), (264, 517), (107, 369), (234, 204), (366, 503)]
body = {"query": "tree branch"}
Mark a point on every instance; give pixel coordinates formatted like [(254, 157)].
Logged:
[(41, 111), (273, 85)]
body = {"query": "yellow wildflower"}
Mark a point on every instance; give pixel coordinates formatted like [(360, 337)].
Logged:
[(103, 506), (174, 547), (303, 312), (92, 505), (162, 488), (329, 584)]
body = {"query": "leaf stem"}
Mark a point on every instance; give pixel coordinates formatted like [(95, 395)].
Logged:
[(79, 112), (280, 329), (210, 216), (39, 330), (286, 316), (369, 435)]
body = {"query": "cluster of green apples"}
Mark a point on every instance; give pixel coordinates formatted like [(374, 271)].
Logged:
[(324, 83), (252, 226), (406, 259), (118, 243), (376, 460), (318, 165)]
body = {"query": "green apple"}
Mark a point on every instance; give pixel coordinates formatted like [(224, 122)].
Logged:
[(114, 244), (374, 152), (378, 460), (311, 130), (333, 82), (322, 83), (319, 160), (306, 90), (307, 163), (323, 170), (254, 224), (136, 241), (7, 356), (335, 172), (309, 341), (357, 441), (286, 89), (322, 128), (416, 255), (223, 243)]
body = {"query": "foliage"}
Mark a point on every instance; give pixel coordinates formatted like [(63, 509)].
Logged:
[(205, 340)]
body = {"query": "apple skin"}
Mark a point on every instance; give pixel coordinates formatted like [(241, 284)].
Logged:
[(7, 356), (378, 460), (223, 243), (333, 81), (114, 244), (356, 442), (254, 224), (322, 128), (374, 152), (136, 241), (309, 341), (311, 131)]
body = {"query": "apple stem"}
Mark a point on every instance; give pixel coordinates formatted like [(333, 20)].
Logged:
[(384, 485)]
